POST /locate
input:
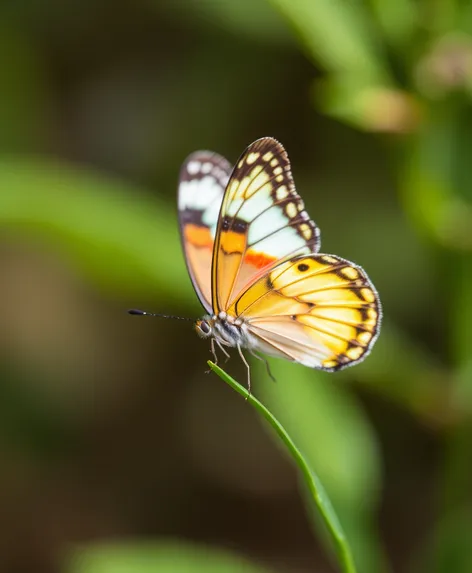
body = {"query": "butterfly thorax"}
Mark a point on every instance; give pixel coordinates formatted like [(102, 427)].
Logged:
[(226, 329)]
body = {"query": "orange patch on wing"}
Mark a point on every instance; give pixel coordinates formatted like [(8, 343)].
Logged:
[(258, 260), (198, 236), (232, 242)]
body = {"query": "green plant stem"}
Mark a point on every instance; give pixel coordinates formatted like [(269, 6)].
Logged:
[(313, 482)]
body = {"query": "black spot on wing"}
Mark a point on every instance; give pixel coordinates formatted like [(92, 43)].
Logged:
[(364, 312), (236, 225), (342, 359)]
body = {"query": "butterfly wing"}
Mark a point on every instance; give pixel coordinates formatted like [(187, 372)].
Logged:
[(203, 179), (262, 222), (319, 310)]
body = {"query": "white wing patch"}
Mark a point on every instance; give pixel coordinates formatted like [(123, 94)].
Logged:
[(203, 179)]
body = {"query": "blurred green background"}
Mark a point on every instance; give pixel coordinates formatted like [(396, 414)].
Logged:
[(118, 453)]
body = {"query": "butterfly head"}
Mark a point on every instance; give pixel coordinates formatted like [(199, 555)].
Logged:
[(204, 327)]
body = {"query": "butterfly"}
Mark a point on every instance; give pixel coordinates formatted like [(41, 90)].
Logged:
[(252, 254)]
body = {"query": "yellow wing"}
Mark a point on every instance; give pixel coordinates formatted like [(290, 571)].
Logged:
[(319, 310)]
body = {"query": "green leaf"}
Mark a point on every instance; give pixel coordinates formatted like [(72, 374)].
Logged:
[(317, 492), (335, 436)]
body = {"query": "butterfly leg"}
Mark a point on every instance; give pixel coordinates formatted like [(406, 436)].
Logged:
[(222, 348), (248, 370), (262, 359), (213, 351), (215, 356)]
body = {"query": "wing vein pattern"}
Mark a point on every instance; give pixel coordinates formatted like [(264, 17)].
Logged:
[(252, 251), (262, 222)]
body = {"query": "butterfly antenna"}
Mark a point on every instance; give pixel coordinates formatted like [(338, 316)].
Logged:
[(144, 313)]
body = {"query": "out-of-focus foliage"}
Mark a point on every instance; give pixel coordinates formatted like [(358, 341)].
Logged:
[(93, 218), (147, 557), (109, 427)]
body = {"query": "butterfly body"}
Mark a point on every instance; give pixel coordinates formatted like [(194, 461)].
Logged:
[(226, 330), (252, 253)]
